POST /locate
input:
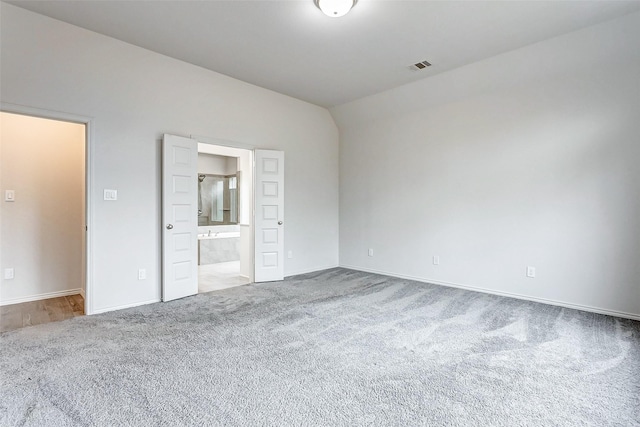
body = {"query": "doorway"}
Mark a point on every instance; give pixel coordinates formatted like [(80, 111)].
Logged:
[(43, 239), (260, 210), (225, 195)]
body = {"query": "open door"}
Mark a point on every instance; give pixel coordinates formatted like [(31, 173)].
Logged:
[(269, 215), (179, 217)]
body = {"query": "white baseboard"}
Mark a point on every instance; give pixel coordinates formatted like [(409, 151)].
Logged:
[(312, 270), (38, 297), (82, 293), (500, 293), (122, 307)]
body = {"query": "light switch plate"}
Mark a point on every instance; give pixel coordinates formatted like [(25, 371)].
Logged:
[(110, 194), (9, 195), (9, 273)]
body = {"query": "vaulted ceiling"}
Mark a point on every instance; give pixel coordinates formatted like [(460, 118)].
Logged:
[(290, 47)]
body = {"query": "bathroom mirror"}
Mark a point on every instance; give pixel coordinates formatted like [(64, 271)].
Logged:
[(218, 201)]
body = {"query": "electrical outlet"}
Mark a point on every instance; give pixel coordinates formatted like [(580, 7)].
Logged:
[(110, 194), (531, 272), (436, 260), (9, 274), (9, 196), (290, 254), (142, 274), (370, 252)]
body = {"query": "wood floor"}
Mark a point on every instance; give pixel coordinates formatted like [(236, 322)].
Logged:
[(17, 316)]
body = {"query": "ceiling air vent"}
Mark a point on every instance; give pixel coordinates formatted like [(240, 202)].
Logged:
[(420, 65)]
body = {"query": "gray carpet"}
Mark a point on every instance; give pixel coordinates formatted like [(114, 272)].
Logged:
[(339, 348)]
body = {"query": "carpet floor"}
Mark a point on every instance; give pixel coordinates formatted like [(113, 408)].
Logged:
[(333, 348)]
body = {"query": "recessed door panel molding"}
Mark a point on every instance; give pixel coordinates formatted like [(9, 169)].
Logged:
[(270, 235), (270, 260), (270, 166), (182, 184), (182, 271), (182, 241), (270, 212), (181, 156), (270, 189), (179, 218), (269, 205), (181, 213)]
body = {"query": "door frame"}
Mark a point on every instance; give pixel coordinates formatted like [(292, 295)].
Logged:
[(88, 182), (238, 145)]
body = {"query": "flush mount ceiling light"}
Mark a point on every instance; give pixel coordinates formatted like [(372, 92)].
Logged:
[(335, 8)]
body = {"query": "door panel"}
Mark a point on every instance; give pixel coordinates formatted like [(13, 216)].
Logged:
[(269, 231), (179, 217)]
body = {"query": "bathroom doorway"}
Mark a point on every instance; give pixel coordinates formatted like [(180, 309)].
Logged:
[(43, 233), (225, 229)]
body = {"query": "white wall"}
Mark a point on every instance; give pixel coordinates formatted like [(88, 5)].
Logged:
[(134, 96), (43, 230), (216, 165), (526, 159), (231, 165)]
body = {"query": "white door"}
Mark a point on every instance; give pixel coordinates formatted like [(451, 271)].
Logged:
[(179, 217), (269, 215)]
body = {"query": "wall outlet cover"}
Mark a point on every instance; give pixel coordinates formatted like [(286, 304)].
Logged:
[(531, 272), (9, 273)]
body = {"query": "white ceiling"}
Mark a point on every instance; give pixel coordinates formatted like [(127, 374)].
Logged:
[(290, 47)]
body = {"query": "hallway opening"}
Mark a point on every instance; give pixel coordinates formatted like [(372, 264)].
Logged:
[(43, 219)]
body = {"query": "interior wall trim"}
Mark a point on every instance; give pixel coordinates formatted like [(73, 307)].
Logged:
[(587, 308), (122, 307), (38, 297), (312, 270)]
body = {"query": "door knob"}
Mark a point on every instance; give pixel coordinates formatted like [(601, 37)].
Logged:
[(279, 222), (169, 226)]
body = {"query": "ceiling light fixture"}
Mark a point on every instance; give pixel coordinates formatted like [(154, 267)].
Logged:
[(335, 8)]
